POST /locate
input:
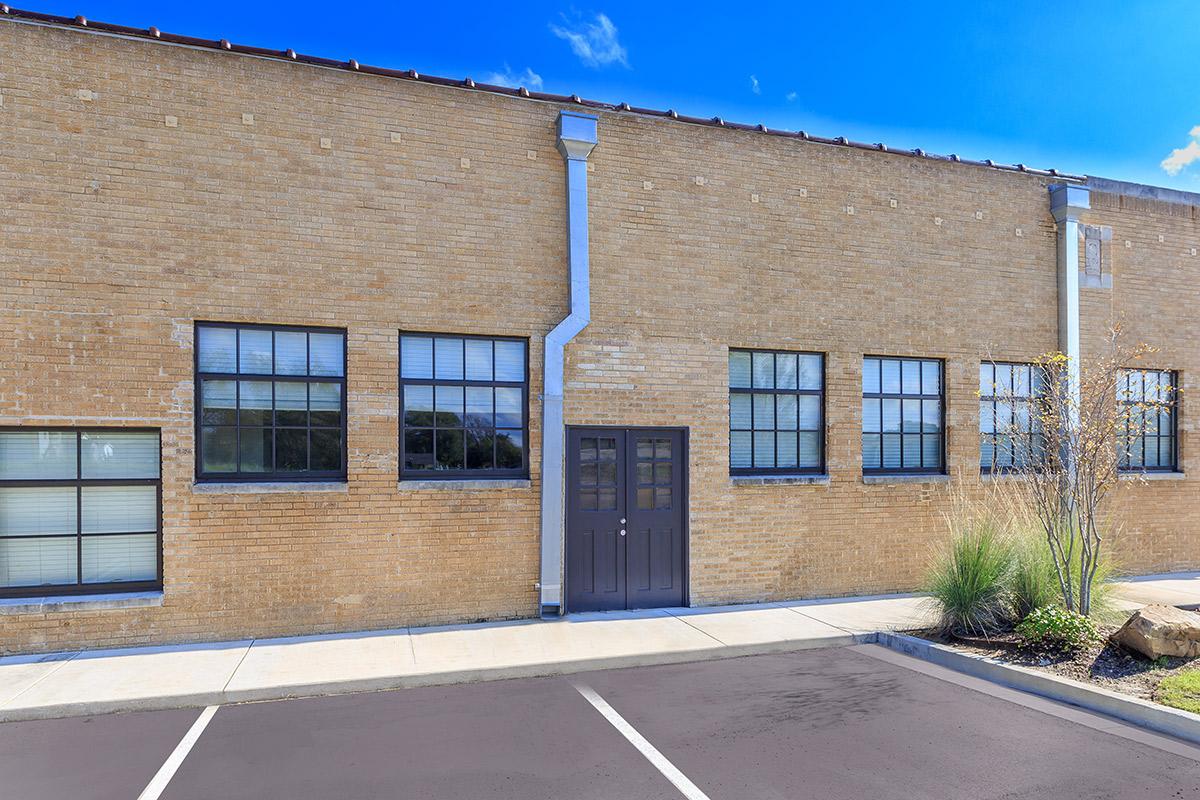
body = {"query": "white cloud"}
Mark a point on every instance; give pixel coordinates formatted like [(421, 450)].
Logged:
[(791, 97), (529, 79), (1182, 156), (594, 42), (754, 87)]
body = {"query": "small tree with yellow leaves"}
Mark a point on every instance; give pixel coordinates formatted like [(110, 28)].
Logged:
[(1067, 432)]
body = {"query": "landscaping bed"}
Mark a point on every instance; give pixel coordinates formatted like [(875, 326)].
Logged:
[(1102, 664)]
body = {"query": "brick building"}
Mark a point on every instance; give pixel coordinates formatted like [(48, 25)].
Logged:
[(291, 345)]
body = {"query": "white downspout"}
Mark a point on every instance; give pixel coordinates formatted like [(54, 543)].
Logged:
[(1067, 202), (576, 138)]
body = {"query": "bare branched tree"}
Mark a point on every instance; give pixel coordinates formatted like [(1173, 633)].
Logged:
[(1067, 431)]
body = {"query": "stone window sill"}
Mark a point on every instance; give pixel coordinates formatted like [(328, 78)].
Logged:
[(1153, 476), (782, 480), (82, 602), (900, 478), (465, 485), (281, 487)]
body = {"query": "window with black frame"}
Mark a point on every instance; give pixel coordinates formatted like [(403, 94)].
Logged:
[(776, 412), (80, 510), (464, 407), (1149, 417), (1009, 417), (902, 415), (270, 403)]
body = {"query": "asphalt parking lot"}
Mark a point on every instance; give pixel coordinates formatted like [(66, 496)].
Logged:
[(855, 723)]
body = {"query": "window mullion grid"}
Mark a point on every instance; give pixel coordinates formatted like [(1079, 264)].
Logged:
[(79, 508)]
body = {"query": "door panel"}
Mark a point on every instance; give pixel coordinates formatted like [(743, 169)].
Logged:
[(595, 512), (625, 519), (655, 501)]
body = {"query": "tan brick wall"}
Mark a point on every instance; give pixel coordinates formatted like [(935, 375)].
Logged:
[(118, 232)]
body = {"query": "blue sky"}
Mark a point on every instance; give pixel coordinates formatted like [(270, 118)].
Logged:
[(1103, 88)]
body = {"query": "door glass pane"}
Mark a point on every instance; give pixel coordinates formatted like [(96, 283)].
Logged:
[(479, 359), (37, 455), (326, 354), (606, 500), (218, 349), (739, 370), (662, 498), (37, 562), (120, 454), (608, 448), (448, 359), (110, 559), (254, 351), (645, 499), (416, 357), (37, 510), (291, 353), (606, 473), (119, 509), (663, 472), (510, 361), (662, 448)]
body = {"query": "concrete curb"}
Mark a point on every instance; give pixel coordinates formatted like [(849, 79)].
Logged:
[(413, 680), (1143, 713)]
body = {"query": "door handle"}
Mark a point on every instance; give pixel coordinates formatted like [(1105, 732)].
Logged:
[(622, 531), (622, 520)]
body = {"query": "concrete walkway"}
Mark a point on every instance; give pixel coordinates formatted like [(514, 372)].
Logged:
[(95, 682)]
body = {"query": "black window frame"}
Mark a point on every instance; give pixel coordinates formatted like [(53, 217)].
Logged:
[(79, 482), (236, 376), (1123, 438), (1034, 399), (821, 425), (465, 473), (902, 396)]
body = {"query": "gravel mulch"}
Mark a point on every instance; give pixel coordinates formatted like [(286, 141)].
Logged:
[(1102, 664)]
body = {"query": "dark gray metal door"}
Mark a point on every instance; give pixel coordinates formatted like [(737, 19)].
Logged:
[(626, 504)]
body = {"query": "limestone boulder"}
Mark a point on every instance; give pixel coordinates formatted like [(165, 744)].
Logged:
[(1158, 630)]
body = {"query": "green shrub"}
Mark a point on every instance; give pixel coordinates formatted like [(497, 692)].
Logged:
[(1054, 629), (1034, 579), (970, 581)]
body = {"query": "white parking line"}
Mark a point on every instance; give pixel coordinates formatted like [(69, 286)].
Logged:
[(154, 789), (690, 790)]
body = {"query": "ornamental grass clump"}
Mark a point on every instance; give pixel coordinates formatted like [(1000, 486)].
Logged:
[(970, 581), (1056, 630)]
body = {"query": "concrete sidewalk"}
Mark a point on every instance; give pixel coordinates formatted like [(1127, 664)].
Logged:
[(95, 682)]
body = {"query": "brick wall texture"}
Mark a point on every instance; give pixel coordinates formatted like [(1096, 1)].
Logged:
[(118, 232)]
